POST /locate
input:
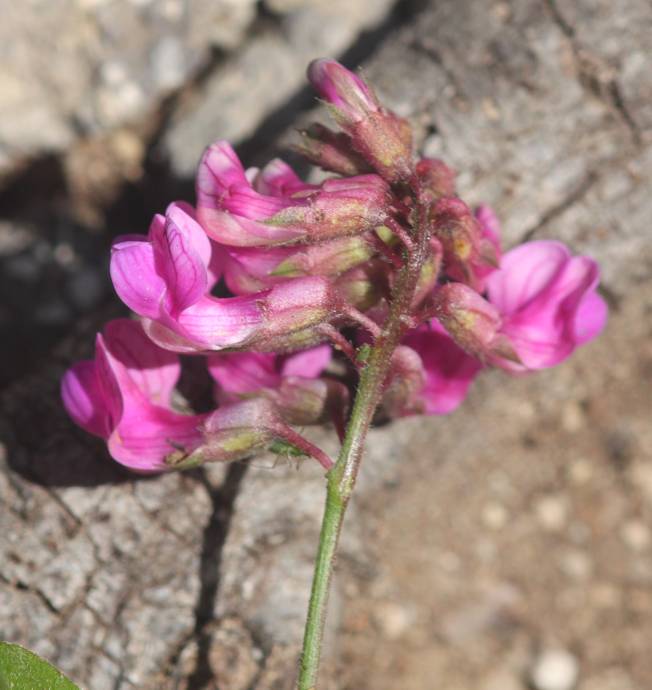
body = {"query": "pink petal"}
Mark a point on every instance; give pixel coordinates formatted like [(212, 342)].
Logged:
[(244, 372), (183, 215), (134, 276), (307, 363), (222, 323), (590, 318), (247, 269), (149, 434), (278, 179), (237, 231), (84, 400), (489, 223), (525, 272), (178, 262), (449, 370), (154, 371), (543, 331), (219, 170)]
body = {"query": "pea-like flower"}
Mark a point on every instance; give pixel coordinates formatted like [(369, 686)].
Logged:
[(124, 396), (542, 304), (282, 210), (166, 278)]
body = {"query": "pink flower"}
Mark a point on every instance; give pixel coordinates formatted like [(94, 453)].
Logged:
[(291, 382), (166, 278), (448, 371), (280, 209), (548, 303), (124, 397)]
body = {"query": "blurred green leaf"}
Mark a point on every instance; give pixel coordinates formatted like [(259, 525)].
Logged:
[(21, 669)]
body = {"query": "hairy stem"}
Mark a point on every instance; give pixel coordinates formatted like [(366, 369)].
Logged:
[(342, 478)]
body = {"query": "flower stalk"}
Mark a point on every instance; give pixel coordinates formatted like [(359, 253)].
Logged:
[(342, 478)]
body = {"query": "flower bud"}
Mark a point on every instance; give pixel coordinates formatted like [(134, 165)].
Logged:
[(405, 383), (331, 151), (465, 255), (340, 207), (382, 138), (328, 258), (363, 286), (436, 178), (470, 320)]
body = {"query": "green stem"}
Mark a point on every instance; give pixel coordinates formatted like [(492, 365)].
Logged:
[(342, 478)]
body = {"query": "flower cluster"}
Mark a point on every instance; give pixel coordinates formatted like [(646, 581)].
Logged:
[(306, 269)]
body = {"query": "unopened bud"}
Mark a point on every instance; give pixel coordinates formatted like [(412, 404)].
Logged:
[(340, 207), (436, 178), (470, 320), (363, 286), (331, 151), (406, 380), (382, 138), (328, 258), (461, 238)]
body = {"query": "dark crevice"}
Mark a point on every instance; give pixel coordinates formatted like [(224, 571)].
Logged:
[(215, 534), (24, 587)]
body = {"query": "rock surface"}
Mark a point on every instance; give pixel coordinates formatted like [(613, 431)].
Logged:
[(516, 524), (98, 64)]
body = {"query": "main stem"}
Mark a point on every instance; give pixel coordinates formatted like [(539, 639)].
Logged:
[(342, 478)]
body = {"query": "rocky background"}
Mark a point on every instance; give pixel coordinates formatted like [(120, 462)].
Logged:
[(507, 547)]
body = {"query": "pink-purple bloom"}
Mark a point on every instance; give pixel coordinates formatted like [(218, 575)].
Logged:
[(292, 382), (548, 303), (277, 208), (298, 265), (541, 305), (448, 370), (166, 278)]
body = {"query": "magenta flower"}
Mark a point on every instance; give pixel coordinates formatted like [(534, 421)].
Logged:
[(123, 396), (290, 381), (548, 303), (448, 370), (282, 209), (251, 269), (166, 278)]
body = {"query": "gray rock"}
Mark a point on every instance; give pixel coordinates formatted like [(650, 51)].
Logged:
[(71, 65), (263, 75)]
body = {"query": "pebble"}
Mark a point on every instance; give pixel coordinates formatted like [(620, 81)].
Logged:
[(551, 512), (393, 619), (636, 535), (573, 416), (577, 564), (580, 471), (495, 515), (554, 669)]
